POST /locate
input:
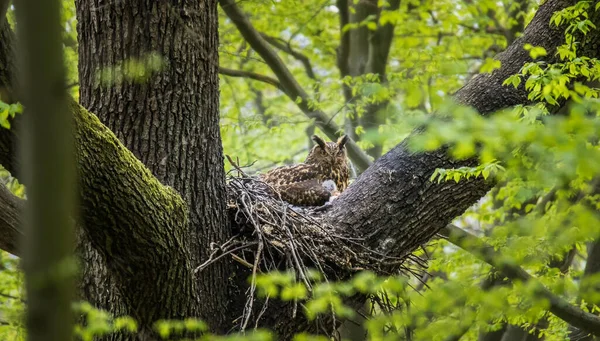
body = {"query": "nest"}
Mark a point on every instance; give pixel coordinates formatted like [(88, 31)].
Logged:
[(271, 234)]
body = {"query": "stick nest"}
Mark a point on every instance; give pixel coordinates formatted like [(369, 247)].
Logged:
[(271, 234), (300, 236)]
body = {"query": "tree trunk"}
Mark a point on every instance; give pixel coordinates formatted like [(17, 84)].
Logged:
[(140, 228), (47, 153), (361, 52), (170, 120)]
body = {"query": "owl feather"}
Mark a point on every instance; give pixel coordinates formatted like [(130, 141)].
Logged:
[(304, 184)]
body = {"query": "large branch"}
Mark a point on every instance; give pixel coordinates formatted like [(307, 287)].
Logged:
[(135, 221), (558, 306), (394, 205), (289, 83)]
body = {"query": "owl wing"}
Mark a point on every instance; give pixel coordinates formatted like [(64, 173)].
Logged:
[(291, 174), (299, 185), (304, 193)]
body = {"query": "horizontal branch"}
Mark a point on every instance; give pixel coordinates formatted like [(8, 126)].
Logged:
[(251, 75), (558, 305), (289, 83)]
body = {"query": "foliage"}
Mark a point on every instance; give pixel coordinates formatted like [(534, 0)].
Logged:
[(437, 46), (544, 207), (543, 210)]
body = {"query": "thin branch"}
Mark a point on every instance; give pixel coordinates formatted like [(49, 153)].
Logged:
[(287, 80), (558, 305), (251, 75), (277, 43), (305, 23)]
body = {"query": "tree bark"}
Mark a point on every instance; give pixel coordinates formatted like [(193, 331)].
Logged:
[(140, 227), (170, 121)]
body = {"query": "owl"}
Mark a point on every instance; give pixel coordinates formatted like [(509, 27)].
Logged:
[(324, 173)]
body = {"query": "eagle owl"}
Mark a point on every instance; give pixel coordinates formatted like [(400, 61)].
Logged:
[(312, 182)]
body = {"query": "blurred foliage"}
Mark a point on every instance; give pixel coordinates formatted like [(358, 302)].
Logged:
[(544, 209)]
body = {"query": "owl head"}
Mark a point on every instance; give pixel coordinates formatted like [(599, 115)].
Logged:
[(328, 153)]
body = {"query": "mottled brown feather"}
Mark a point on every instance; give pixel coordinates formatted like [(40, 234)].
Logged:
[(302, 184)]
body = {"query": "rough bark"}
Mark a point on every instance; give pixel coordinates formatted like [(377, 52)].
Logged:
[(137, 223), (169, 121), (393, 205), (11, 232)]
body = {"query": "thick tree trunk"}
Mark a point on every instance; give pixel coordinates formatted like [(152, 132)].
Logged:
[(170, 121), (138, 225)]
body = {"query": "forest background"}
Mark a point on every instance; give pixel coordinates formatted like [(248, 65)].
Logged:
[(521, 264)]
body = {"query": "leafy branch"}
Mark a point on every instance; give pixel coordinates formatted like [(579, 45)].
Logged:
[(289, 82), (558, 305)]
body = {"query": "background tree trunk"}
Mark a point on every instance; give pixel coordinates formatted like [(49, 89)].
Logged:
[(47, 152), (136, 223)]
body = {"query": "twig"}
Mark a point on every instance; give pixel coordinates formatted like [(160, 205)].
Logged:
[(558, 305), (212, 260), (251, 75), (253, 284), (288, 82), (235, 165)]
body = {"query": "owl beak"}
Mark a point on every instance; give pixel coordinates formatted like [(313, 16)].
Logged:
[(341, 142), (319, 141)]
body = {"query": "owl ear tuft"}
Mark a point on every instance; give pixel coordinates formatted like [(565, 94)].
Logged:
[(319, 141), (341, 142)]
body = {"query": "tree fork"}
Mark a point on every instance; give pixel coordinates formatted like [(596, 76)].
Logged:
[(388, 203)]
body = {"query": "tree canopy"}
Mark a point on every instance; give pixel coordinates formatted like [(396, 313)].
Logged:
[(473, 212)]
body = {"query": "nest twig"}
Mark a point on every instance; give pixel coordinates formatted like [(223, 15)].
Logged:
[(297, 237)]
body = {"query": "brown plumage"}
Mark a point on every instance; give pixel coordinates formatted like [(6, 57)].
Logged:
[(302, 184)]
